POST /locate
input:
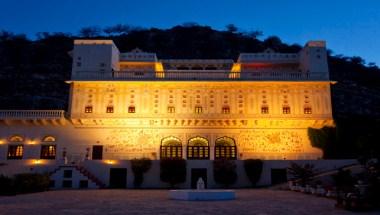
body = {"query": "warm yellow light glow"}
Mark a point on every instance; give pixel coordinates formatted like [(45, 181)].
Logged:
[(32, 142), (2, 142), (236, 67), (159, 70), (37, 162), (235, 71), (110, 162)]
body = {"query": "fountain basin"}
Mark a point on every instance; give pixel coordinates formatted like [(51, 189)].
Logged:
[(202, 195)]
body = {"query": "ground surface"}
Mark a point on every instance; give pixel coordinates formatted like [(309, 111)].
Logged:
[(258, 201)]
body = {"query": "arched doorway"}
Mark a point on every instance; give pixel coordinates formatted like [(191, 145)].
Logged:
[(171, 147), (225, 148), (198, 149)]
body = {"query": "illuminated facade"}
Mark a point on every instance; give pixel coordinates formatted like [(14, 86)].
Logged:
[(131, 105)]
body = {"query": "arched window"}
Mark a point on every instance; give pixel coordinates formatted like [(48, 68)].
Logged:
[(198, 149), (225, 148), (171, 147), (16, 138), (48, 139)]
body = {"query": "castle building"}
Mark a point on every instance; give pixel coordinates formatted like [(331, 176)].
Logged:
[(133, 105)]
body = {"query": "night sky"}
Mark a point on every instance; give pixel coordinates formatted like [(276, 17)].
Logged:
[(350, 27)]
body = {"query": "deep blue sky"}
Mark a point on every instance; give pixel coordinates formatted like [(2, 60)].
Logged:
[(350, 27)]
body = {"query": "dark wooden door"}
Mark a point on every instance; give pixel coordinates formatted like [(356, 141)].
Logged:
[(278, 176), (197, 173), (118, 178), (97, 152)]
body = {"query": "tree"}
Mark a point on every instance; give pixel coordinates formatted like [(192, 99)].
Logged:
[(324, 139), (224, 172), (273, 42), (173, 171), (253, 34), (357, 60), (231, 28), (301, 173), (117, 29), (253, 168), (139, 167), (344, 182), (92, 31)]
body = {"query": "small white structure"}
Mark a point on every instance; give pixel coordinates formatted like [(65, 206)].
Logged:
[(200, 184)]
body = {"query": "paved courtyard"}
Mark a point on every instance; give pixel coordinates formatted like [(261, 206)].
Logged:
[(92, 202)]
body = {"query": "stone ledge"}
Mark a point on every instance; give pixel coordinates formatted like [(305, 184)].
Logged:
[(202, 195)]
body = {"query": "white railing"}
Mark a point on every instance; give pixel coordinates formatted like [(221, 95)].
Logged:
[(200, 75), (32, 114), (271, 57)]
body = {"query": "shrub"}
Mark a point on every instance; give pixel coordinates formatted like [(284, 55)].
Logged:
[(301, 173), (173, 171), (253, 168), (139, 167), (31, 182), (373, 171), (224, 172)]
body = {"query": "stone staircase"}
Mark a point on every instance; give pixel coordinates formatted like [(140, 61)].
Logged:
[(83, 171)]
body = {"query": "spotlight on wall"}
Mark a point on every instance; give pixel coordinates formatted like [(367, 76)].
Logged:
[(32, 142), (110, 162), (37, 162)]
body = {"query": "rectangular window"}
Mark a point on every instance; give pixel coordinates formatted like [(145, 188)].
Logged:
[(198, 109), (97, 152), (88, 109), (83, 184), (264, 110), (171, 109), (15, 152), (67, 184), (109, 109), (226, 110), (131, 109), (286, 110), (307, 110), (48, 152), (67, 173)]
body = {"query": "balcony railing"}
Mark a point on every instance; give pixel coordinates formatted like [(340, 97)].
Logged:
[(199, 75), (32, 114)]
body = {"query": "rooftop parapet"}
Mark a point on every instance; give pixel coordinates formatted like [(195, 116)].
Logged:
[(93, 42), (138, 55), (268, 56), (31, 114)]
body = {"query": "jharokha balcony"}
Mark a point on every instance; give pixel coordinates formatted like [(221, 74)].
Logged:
[(199, 75)]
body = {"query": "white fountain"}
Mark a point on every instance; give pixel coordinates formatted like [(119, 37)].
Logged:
[(202, 194)]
